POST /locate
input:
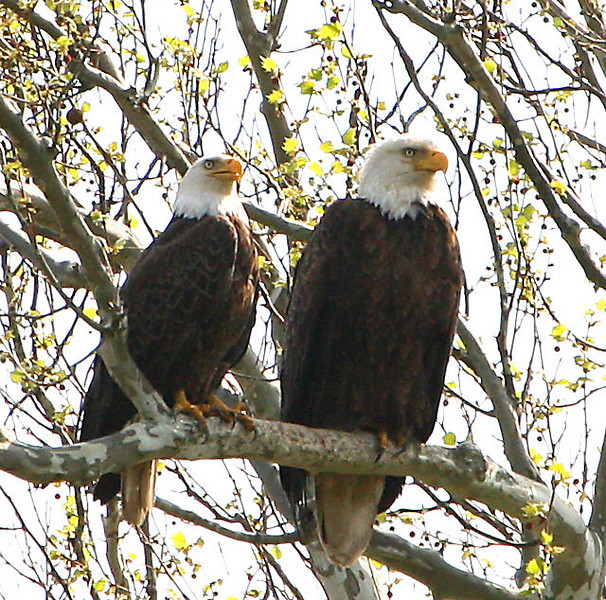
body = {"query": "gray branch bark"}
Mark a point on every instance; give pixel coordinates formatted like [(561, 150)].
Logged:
[(462, 470)]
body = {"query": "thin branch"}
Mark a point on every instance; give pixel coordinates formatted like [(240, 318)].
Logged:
[(241, 536)]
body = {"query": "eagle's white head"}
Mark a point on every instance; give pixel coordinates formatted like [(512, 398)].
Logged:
[(209, 188), (400, 173)]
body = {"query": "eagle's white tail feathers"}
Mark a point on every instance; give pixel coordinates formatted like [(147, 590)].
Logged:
[(346, 512), (138, 491)]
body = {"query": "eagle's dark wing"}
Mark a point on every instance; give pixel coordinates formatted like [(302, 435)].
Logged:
[(185, 315)]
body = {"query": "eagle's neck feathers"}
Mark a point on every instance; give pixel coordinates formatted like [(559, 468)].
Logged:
[(397, 203), (195, 201)]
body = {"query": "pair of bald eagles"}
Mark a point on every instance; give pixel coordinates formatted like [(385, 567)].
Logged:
[(369, 326)]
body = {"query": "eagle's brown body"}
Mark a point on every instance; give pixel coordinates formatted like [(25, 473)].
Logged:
[(370, 327), (190, 305)]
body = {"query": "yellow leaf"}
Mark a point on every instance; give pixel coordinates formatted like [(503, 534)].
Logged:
[(490, 65), (537, 459), (99, 586), (204, 85), (536, 509), (330, 31), (559, 332), (244, 61), (91, 313), (179, 540), (601, 304), (327, 147), (62, 43), (560, 470), (189, 10), (338, 167), (276, 97), (450, 439), (558, 186), (317, 169), (537, 566), (546, 538), (222, 67), (290, 145), (269, 64)]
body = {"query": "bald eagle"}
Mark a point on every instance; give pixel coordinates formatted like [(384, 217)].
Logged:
[(190, 306), (369, 331)]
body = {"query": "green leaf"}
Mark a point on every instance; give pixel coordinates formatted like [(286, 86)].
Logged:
[(18, 376), (333, 82), (308, 86), (450, 439), (316, 74), (514, 168), (350, 137)]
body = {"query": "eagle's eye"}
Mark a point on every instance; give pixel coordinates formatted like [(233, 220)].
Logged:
[(408, 152), (208, 164)]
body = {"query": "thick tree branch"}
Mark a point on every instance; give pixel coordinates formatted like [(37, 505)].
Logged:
[(260, 45), (428, 567), (66, 272), (462, 470), (28, 201), (504, 407)]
